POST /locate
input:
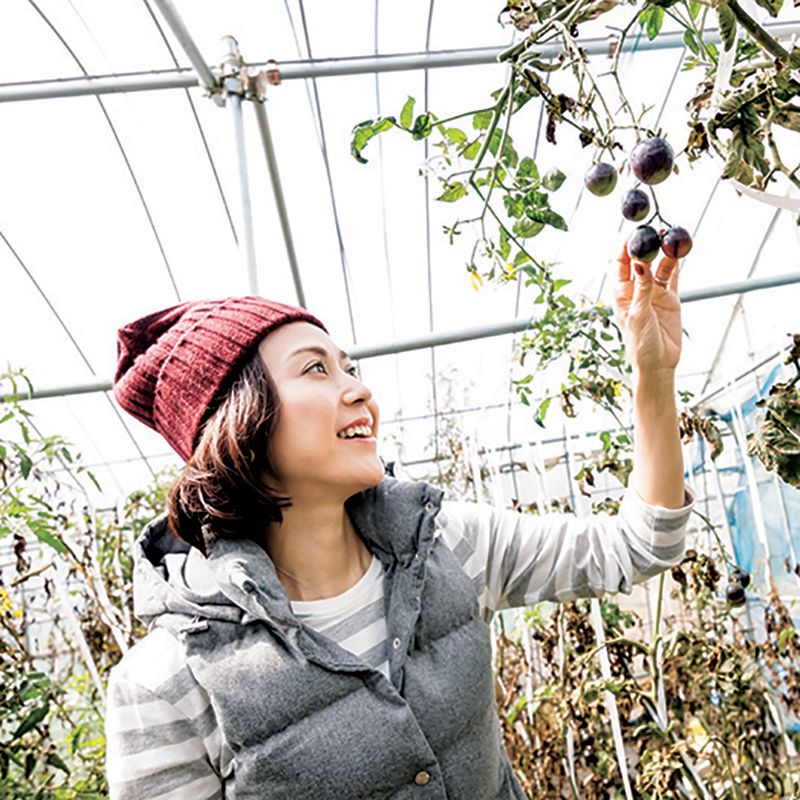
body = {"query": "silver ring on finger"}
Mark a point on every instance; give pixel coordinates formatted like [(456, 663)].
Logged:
[(661, 282)]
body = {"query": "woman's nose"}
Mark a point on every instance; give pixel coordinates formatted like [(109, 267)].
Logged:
[(356, 391)]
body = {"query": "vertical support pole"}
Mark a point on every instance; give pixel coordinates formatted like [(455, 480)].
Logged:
[(280, 202), (752, 483), (234, 88), (726, 526)]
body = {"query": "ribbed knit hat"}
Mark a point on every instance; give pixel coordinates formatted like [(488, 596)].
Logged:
[(172, 365)]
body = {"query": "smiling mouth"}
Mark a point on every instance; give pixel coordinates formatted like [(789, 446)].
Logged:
[(355, 432)]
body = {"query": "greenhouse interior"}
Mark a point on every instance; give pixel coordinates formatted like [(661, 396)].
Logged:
[(447, 186)]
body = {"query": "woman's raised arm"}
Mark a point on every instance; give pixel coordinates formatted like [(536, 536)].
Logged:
[(649, 313)]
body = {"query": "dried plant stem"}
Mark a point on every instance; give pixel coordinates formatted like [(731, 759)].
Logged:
[(757, 32)]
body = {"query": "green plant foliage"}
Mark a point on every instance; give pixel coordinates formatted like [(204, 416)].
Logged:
[(727, 25), (578, 337), (51, 723), (484, 166)]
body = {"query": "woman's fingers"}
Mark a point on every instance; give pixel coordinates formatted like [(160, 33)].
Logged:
[(624, 262), (665, 274)]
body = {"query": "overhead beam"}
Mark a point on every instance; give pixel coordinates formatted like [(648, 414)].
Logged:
[(326, 68), (170, 13), (517, 325)]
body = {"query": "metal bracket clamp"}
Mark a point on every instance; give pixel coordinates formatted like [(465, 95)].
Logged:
[(235, 77)]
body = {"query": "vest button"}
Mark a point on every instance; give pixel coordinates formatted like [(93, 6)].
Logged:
[(421, 778), (429, 506), (396, 643)]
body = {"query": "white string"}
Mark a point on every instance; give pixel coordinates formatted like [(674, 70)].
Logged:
[(570, 733), (67, 612), (610, 700)]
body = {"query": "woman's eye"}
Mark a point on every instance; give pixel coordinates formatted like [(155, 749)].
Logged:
[(352, 371), (317, 366)]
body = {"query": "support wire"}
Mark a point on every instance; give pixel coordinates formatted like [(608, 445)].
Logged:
[(200, 130), (434, 395), (66, 329), (124, 155), (324, 149)]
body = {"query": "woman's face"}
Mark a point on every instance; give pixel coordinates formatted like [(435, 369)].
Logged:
[(324, 447)]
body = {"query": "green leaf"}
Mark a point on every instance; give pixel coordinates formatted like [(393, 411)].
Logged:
[(542, 66), (44, 535), (505, 245), (528, 169), (509, 154), (541, 412), (92, 478), (772, 6), (75, 740), (537, 200), (691, 42), (30, 765), (651, 20), (54, 760), (521, 258), (553, 179), (454, 191), (423, 125), (7, 417), (514, 205), (527, 228), (727, 26), (364, 131), (470, 152), (548, 217), (482, 120), (456, 135), (407, 114), (31, 721), (25, 464), (694, 9)]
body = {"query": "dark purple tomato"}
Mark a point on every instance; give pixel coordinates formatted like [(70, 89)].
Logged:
[(600, 179), (676, 242), (644, 243), (734, 593), (651, 160), (741, 576), (635, 205)]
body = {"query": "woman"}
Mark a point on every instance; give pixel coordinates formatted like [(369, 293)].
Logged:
[(318, 630)]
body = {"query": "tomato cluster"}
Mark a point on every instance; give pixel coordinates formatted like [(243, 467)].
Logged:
[(651, 161)]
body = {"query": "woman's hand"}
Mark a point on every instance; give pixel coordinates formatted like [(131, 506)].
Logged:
[(649, 313)]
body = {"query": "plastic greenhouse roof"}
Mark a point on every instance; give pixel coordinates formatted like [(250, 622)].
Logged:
[(119, 204)]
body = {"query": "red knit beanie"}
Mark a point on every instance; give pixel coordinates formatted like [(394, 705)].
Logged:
[(171, 365)]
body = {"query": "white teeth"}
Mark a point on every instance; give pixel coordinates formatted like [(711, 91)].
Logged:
[(355, 430)]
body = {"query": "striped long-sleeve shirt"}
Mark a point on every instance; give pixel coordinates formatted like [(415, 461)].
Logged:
[(163, 740)]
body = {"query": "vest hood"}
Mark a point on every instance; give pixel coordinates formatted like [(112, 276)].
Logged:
[(172, 578), (173, 581)]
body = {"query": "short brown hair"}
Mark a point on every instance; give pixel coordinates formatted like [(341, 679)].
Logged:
[(224, 489)]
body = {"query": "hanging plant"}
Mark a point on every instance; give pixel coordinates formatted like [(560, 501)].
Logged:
[(776, 439)]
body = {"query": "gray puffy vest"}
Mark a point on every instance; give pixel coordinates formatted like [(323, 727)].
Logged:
[(308, 720)]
